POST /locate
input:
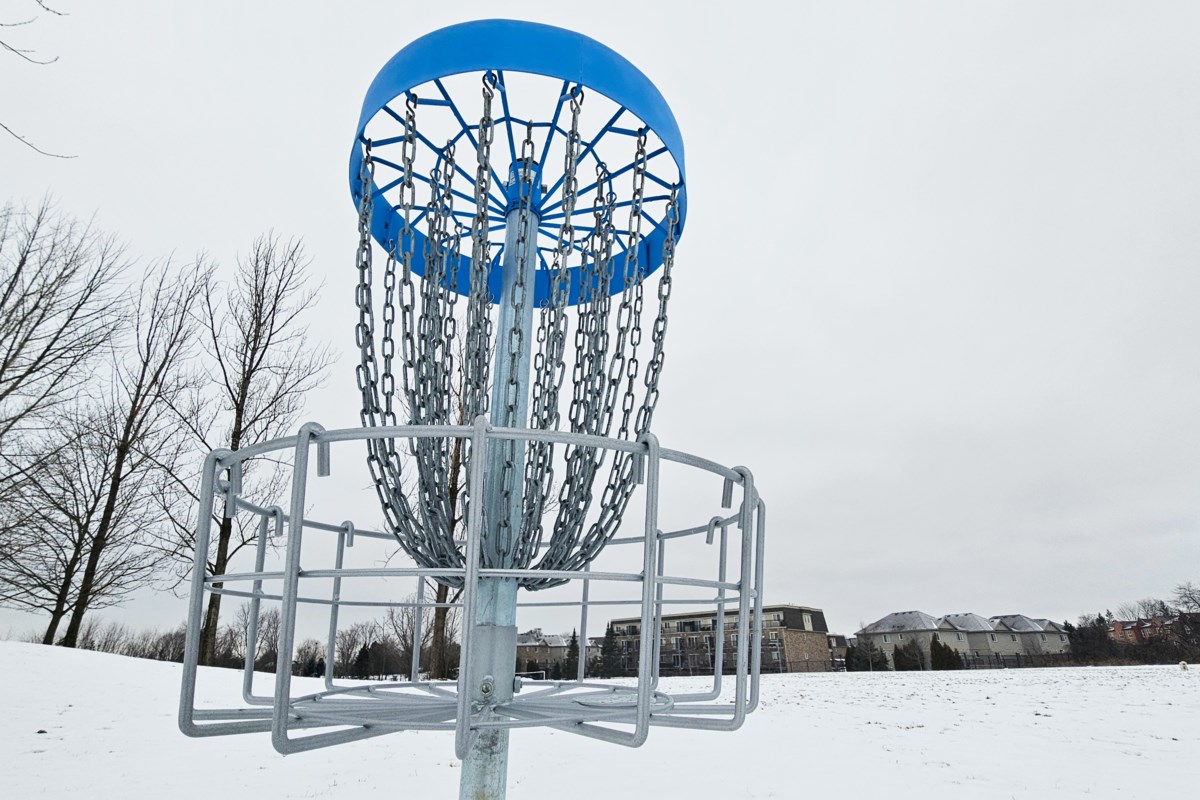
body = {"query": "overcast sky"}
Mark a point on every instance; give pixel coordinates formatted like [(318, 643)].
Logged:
[(938, 286)]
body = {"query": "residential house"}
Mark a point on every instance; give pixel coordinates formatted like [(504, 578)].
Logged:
[(898, 629), (837, 649), (1181, 628), (968, 633), (1035, 636), (794, 639), (537, 651), (981, 641)]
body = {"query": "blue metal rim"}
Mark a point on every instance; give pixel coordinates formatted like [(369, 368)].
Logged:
[(518, 46)]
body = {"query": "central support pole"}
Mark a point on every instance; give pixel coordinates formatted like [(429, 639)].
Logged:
[(494, 629)]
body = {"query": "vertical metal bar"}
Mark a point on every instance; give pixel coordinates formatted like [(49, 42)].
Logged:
[(191, 648), (760, 549), (490, 674), (463, 740), (719, 633), (583, 619), (260, 560), (414, 668), (651, 615), (658, 606), (291, 586), (334, 605), (745, 592)]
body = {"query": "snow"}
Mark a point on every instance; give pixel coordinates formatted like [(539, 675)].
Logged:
[(1113, 732)]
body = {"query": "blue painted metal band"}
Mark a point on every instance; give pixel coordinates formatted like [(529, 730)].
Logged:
[(516, 46)]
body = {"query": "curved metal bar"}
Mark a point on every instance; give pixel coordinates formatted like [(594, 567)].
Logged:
[(420, 705)]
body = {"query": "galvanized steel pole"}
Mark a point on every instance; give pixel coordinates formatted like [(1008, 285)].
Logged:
[(494, 629)]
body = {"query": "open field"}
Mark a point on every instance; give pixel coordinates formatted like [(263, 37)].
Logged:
[(1121, 732)]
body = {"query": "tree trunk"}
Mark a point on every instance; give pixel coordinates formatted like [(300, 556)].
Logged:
[(64, 591), (438, 668), (212, 618), (88, 583)]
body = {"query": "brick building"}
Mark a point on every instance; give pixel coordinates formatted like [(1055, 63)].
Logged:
[(794, 639), (537, 651), (1181, 628)]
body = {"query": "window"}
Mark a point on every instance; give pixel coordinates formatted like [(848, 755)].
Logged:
[(808, 626), (901, 637), (958, 637), (1013, 636), (1043, 637), (1062, 638), (992, 636), (886, 639), (773, 635)]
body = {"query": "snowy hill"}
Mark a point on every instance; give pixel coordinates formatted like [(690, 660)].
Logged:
[(1130, 732)]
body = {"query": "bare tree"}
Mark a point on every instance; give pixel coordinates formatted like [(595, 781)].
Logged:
[(1145, 608), (138, 427), (401, 623), (266, 641), (1187, 597), (347, 645), (53, 521), (8, 47), (57, 300), (260, 365), (310, 658), (103, 637)]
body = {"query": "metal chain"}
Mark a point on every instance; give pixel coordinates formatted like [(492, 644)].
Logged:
[(435, 356), (566, 551), (382, 459), (548, 366), (477, 346), (497, 553), (606, 375), (586, 414)]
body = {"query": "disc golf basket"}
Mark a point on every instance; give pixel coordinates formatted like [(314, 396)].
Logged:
[(518, 187)]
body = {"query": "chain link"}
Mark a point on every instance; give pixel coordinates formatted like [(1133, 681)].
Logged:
[(548, 365), (606, 374)]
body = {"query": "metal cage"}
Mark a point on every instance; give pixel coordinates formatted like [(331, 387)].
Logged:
[(617, 711)]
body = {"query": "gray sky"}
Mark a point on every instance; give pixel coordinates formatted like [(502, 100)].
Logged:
[(937, 286)]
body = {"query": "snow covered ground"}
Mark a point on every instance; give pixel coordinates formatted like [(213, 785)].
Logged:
[(1129, 732)]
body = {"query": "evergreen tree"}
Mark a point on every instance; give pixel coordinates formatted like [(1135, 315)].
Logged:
[(943, 656), (362, 663), (866, 657), (908, 657), (570, 667), (557, 672), (610, 657)]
